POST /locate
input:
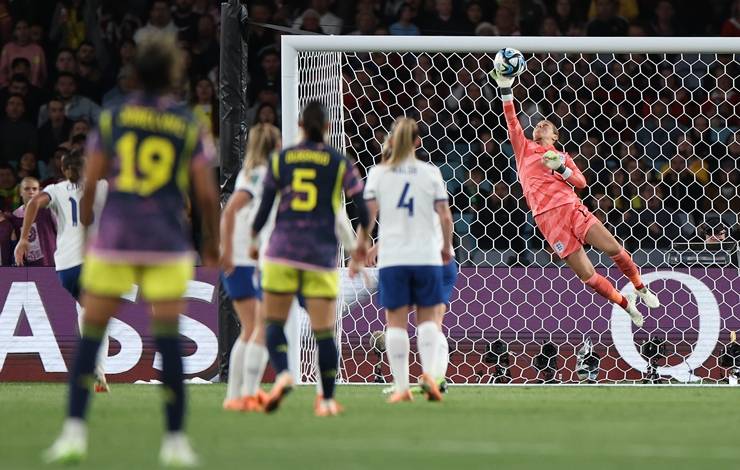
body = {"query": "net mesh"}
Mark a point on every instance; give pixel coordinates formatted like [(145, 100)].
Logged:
[(657, 139)]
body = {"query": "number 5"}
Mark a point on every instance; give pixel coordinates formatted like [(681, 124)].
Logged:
[(303, 184)]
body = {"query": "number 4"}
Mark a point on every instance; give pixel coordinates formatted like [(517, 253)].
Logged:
[(405, 203)]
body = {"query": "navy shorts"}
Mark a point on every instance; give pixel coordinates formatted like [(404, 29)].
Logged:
[(449, 277), (242, 283), (70, 279), (410, 285)]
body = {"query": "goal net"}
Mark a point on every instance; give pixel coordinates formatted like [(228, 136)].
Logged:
[(654, 127)]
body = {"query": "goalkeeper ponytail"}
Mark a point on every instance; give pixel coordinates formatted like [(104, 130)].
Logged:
[(403, 140)]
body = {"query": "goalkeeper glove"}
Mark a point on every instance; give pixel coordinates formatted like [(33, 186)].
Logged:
[(556, 162)]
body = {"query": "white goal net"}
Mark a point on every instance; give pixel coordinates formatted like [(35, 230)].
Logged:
[(653, 126)]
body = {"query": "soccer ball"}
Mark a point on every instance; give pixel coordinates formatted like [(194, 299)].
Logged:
[(509, 62)]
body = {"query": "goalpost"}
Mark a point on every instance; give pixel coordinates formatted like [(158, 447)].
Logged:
[(625, 107)]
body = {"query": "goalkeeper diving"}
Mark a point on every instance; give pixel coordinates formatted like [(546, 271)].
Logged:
[(548, 176)]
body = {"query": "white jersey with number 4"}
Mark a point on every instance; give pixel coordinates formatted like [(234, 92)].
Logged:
[(242, 237), (409, 230), (65, 204)]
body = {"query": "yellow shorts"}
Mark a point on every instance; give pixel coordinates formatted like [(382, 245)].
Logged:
[(283, 279), (157, 282)]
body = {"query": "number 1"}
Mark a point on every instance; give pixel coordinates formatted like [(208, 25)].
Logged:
[(73, 203), (404, 203)]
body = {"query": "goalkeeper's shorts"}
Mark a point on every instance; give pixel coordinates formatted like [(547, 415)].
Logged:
[(565, 227)]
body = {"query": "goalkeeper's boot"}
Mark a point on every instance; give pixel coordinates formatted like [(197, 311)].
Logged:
[(648, 298), (400, 396), (250, 404), (71, 446), (430, 387), (283, 386), (101, 384), (632, 311), (176, 452), (326, 408)]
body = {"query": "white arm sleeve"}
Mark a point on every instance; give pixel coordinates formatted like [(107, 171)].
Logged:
[(371, 184), (345, 232)]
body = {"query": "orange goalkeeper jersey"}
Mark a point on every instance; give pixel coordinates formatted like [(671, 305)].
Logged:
[(543, 188)]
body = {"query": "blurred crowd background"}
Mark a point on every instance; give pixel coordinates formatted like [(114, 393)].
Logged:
[(657, 139)]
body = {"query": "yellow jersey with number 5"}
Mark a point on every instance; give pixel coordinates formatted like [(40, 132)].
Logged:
[(151, 144)]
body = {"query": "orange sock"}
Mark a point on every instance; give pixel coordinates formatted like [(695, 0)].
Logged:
[(605, 289), (623, 260)]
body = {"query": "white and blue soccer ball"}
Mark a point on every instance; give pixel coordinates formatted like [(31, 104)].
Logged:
[(509, 62)]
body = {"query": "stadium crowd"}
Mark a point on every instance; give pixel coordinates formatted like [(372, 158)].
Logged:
[(659, 156)]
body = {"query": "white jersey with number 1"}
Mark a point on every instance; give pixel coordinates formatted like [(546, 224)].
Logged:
[(409, 231), (65, 204)]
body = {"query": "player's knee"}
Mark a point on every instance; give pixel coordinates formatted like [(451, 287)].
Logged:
[(586, 273), (613, 248)]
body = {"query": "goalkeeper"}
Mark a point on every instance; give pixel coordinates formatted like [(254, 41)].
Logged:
[(548, 176)]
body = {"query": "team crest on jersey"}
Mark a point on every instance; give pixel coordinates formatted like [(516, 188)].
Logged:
[(559, 247)]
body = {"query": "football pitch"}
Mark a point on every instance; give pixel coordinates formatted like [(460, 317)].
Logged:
[(475, 427)]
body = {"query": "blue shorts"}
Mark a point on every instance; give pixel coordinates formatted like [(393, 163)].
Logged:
[(70, 279), (449, 277), (242, 284), (410, 285)]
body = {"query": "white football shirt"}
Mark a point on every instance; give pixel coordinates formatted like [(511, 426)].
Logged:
[(65, 204), (409, 230), (242, 237)]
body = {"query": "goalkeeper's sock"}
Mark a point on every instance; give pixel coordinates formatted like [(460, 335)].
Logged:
[(624, 262), (427, 342), (236, 369), (397, 348), (317, 373), (82, 377), (443, 356), (277, 345), (605, 289), (255, 361), (167, 339), (328, 360)]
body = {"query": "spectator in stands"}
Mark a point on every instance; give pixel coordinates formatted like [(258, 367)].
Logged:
[(266, 114), (485, 28), (656, 226), (473, 16), (43, 236), (204, 50), (681, 186), (266, 96), (550, 27), (79, 127), (28, 166), (628, 9), (7, 237), (22, 46), (17, 136), (505, 22), (508, 219), (442, 21), (731, 26), (258, 38), (204, 101), (268, 76), (664, 22), (125, 84), (10, 197), (328, 22), (68, 28), (405, 26), (54, 131), (472, 201), (637, 29), (606, 22), (658, 133), (160, 19), (366, 22), (32, 96), (89, 74), (564, 15), (54, 168), (6, 23), (186, 20), (311, 21), (76, 106)]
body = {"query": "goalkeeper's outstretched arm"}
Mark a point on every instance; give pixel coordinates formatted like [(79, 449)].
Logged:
[(516, 133)]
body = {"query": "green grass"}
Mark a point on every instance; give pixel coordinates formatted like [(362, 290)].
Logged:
[(475, 427)]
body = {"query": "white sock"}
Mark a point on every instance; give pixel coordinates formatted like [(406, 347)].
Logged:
[(255, 361), (236, 369), (443, 357), (426, 340), (397, 349), (102, 355)]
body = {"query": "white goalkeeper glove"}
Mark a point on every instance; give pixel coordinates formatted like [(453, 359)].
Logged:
[(556, 162), (501, 81)]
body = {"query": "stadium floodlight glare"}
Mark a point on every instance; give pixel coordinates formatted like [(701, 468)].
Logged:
[(365, 82)]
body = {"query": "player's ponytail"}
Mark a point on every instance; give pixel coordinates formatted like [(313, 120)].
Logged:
[(314, 121), (403, 138), (72, 164), (385, 149), (263, 139)]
